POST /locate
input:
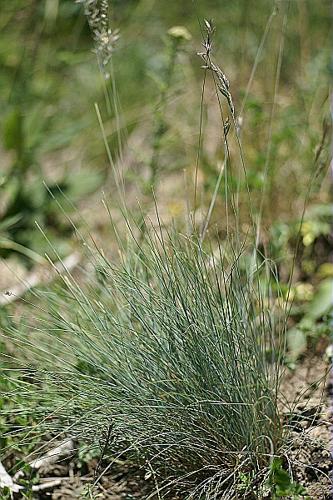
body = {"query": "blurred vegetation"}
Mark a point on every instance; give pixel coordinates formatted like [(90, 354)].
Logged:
[(51, 145), (51, 81), (51, 141)]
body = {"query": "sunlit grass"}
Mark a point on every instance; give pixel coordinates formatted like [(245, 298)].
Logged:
[(165, 357)]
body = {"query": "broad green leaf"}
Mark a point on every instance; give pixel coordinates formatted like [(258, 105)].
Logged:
[(296, 342), (325, 270), (322, 301), (13, 137), (37, 194), (83, 182), (9, 222)]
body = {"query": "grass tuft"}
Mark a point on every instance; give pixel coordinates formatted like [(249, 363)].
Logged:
[(163, 359)]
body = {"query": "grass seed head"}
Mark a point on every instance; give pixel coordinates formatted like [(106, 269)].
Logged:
[(97, 14)]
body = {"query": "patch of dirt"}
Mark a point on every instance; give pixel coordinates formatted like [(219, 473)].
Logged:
[(306, 410), (121, 483)]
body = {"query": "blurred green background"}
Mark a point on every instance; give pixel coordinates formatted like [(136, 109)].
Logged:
[(52, 150), (50, 82)]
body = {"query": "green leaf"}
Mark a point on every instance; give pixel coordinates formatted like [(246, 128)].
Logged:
[(37, 195), (281, 482), (279, 477), (13, 137), (9, 222), (296, 342), (322, 301), (83, 182)]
